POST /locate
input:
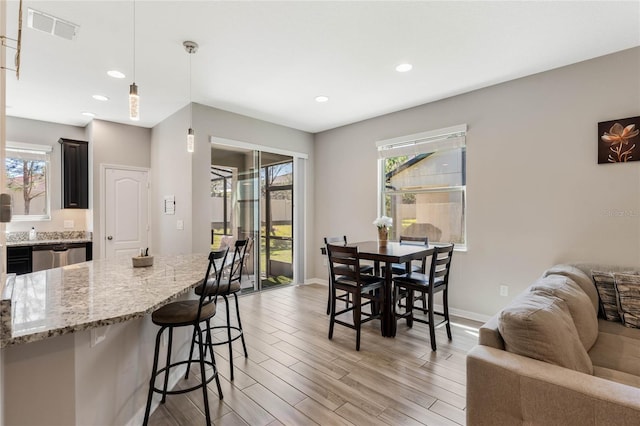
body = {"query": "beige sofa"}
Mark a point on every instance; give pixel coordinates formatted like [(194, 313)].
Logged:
[(561, 365)]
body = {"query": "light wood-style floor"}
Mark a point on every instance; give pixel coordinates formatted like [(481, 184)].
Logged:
[(294, 375)]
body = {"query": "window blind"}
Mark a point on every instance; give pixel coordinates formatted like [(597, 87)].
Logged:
[(423, 143)]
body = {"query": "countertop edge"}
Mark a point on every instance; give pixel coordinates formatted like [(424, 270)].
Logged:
[(46, 242), (35, 337)]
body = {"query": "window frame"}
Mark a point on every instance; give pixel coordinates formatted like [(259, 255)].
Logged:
[(45, 150), (429, 141)]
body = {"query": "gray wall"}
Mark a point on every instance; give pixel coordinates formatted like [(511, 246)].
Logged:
[(536, 195), (177, 172), (113, 144)]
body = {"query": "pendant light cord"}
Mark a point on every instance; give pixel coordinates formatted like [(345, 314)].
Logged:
[(190, 103), (134, 41)]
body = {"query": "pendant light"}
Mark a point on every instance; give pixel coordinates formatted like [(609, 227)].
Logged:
[(191, 47), (134, 99)]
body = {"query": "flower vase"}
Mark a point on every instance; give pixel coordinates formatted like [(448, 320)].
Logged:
[(383, 236)]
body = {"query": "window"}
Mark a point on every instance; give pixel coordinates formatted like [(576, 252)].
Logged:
[(27, 171), (423, 185)]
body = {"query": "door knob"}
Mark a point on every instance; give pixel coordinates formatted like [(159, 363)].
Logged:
[(109, 238)]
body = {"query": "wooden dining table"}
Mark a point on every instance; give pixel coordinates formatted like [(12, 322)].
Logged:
[(393, 252)]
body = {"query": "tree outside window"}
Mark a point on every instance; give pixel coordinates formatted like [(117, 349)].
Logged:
[(27, 174)]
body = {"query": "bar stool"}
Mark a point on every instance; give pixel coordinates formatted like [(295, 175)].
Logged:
[(182, 314), (230, 287)]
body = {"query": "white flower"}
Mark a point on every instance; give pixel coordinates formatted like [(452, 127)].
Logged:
[(383, 222)]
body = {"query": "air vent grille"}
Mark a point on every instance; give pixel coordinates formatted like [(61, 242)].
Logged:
[(50, 24)]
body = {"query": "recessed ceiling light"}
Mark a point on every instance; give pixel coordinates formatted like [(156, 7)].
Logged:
[(100, 97), (89, 114), (115, 74), (322, 99), (404, 67)]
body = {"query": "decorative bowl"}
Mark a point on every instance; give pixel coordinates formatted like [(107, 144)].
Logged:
[(142, 261)]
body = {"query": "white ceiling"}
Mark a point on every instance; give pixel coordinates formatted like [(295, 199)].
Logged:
[(269, 60)]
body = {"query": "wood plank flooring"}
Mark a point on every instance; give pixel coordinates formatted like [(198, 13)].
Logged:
[(294, 375)]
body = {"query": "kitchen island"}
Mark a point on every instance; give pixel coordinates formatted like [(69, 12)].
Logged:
[(77, 341)]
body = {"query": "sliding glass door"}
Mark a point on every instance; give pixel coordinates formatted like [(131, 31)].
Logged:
[(252, 198)]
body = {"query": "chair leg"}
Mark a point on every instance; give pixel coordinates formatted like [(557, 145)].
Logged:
[(203, 376), (409, 307), (332, 316), (213, 359), (166, 372), (193, 342), (329, 298), (152, 382), (357, 316), (226, 304), (432, 327), (445, 303), (244, 346)]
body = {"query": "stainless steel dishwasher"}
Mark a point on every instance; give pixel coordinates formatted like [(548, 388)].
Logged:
[(55, 255)]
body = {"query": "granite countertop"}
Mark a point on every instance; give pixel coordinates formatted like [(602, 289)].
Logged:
[(92, 294), (21, 238)]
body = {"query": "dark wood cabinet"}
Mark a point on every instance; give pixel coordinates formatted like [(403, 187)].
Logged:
[(19, 260), (75, 174)]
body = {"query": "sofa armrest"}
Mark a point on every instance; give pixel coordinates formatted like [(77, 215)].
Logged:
[(508, 389)]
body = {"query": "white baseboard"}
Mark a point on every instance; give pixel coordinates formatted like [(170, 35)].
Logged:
[(453, 311), (316, 281)]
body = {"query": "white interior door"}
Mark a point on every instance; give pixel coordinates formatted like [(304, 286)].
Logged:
[(126, 212)]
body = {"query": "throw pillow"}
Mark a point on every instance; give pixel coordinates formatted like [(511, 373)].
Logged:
[(584, 316), (628, 292), (605, 284), (539, 326), (583, 280)]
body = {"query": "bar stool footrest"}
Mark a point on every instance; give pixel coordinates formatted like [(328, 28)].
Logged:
[(192, 388), (235, 330)]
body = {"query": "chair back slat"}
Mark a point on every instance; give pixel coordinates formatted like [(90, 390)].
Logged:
[(344, 261), (212, 278), (334, 240), (417, 241), (237, 262), (441, 264)]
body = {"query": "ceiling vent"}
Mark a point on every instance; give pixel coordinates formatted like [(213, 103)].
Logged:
[(50, 24)]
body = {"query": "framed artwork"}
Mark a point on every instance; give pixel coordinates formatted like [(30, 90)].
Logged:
[(619, 140)]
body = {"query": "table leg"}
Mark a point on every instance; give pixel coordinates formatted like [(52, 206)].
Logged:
[(388, 321)]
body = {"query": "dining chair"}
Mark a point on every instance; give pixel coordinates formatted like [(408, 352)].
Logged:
[(437, 281), (364, 269), (229, 285), (401, 268), (185, 313), (344, 264)]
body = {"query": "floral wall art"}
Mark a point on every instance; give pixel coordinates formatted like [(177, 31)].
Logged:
[(619, 140)]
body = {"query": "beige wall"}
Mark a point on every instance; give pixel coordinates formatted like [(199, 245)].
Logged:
[(112, 144), (536, 195), (46, 133)]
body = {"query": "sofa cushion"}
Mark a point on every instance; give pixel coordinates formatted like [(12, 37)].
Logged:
[(628, 293), (617, 352), (540, 327), (581, 309), (579, 277), (616, 376), (605, 284), (605, 326)]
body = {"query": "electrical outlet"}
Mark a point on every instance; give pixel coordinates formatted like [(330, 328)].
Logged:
[(180, 224), (69, 224), (504, 290)]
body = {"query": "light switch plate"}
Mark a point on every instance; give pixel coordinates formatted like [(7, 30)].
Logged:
[(69, 224), (180, 224)]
